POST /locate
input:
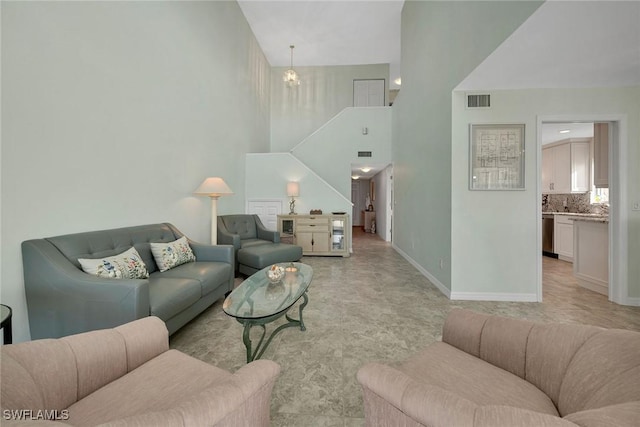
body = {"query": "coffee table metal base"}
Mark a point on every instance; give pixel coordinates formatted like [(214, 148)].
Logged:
[(255, 354)]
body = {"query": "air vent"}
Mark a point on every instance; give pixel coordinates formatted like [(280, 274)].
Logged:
[(477, 100), (364, 153)]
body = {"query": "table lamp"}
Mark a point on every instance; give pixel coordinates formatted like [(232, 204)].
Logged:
[(213, 187), (293, 190)]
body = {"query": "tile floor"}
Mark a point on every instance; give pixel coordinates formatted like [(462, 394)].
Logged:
[(372, 306)]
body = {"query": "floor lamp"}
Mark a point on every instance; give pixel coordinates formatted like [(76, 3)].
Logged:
[(214, 188)]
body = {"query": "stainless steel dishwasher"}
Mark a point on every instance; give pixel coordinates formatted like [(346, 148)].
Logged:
[(547, 235)]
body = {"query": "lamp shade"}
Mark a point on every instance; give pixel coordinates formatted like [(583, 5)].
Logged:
[(213, 187), (293, 189)]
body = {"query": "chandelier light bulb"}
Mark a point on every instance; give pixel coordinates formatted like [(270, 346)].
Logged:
[(290, 77)]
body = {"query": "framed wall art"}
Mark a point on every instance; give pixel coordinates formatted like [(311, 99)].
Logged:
[(496, 157)]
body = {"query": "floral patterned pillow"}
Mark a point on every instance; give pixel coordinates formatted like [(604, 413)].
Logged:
[(172, 254), (127, 265)]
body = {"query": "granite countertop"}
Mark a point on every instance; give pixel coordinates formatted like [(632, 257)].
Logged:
[(599, 218), (582, 216)]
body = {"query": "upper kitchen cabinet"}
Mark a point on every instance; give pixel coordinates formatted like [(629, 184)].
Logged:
[(566, 166), (601, 155)]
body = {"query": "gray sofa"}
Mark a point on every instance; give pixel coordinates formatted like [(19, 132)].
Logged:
[(63, 300), (256, 247)]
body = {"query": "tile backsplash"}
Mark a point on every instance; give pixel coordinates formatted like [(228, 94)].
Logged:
[(577, 203)]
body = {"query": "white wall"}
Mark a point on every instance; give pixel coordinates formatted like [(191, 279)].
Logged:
[(381, 204), (442, 42), (494, 235), (114, 112), (269, 173), (325, 91), (332, 149)]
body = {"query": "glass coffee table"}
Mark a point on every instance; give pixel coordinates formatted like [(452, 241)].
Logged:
[(258, 301)]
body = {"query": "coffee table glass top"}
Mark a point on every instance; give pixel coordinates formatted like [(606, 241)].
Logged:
[(257, 298)]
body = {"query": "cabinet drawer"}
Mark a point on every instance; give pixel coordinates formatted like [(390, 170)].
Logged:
[(564, 220), (311, 221), (324, 227)]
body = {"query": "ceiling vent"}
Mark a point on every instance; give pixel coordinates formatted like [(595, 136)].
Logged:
[(364, 153), (478, 100)]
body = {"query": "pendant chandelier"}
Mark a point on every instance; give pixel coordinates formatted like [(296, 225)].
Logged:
[(290, 77)]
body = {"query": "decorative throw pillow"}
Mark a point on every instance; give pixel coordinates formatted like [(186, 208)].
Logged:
[(172, 254), (127, 265)]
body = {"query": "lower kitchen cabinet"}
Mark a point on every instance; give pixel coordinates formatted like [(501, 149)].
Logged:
[(328, 235), (563, 237), (591, 261)]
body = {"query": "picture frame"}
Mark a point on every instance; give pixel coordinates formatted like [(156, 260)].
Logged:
[(496, 157)]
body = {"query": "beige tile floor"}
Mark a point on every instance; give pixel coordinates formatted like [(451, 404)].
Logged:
[(372, 306)]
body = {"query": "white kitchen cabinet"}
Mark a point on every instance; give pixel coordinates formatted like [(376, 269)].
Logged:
[(591, 261), (317, 234), (566, 166), (601, 155), (563, 237)]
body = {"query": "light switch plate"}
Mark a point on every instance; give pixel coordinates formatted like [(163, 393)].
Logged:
[(636, 206)]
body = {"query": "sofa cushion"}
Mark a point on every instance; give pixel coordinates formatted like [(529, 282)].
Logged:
[(253, 242), (168, 296), (96, 244), (242, 225), (30, 367), (508, 416), (210, 274), (261, 256), (445, 366), (161, 383), (172, 254), (546, 364), (604, 371), (622, 415)]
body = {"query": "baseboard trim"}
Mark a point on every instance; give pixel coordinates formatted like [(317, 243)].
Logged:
[(471, 296), (632, 301), (442, 288), (492, 296)]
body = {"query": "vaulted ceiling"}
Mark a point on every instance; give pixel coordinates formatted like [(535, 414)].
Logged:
[(563, 44)]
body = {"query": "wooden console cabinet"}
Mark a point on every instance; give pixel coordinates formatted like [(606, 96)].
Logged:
[(328, 235)]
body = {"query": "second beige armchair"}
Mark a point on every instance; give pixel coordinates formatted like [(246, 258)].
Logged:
[(492, 371)]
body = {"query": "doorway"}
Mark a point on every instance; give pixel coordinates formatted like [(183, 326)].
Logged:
[(617, 174), (372, 198)]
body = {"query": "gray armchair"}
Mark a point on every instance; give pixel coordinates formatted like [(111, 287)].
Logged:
[(243, 231), (256, 247)]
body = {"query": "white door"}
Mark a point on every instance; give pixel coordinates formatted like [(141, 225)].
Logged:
[(267, 210), (369, 93)]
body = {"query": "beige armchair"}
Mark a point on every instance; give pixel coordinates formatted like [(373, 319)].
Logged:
[(128, 376), (494, 371)]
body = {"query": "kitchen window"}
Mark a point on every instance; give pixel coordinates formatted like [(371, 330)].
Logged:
[(599, 195)]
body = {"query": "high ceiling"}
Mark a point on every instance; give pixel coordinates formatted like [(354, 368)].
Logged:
[(327, 32), (562, 44)]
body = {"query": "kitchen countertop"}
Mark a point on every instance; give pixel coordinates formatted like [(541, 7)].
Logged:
[(581, 216)]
